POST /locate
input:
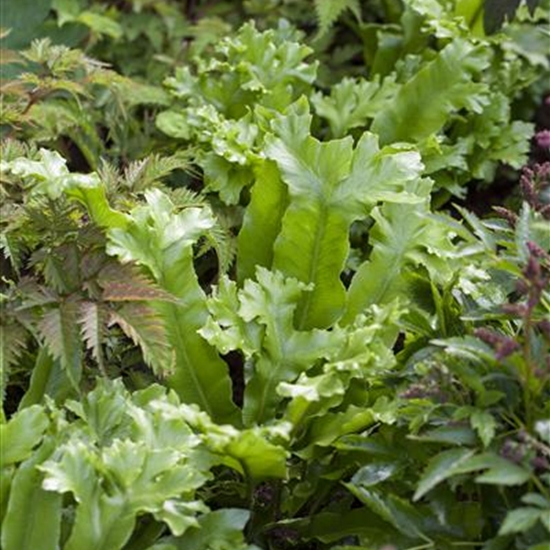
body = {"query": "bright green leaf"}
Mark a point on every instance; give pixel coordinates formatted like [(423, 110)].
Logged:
[(21, 434)]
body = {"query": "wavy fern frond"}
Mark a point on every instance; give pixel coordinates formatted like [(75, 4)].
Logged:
[(328, 12), (144, 326)]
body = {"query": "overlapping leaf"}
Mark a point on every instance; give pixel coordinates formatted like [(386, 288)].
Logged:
[(424, 104), (330, 185), (162, 239)]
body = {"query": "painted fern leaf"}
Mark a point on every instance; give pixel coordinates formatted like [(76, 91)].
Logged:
[(125, 283), (145, 327)]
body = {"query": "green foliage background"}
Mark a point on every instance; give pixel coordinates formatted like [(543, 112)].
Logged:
[(252, 294)]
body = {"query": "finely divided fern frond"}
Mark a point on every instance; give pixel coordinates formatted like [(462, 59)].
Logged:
[(60, 333), (218, 237), (125, 283), (93, 319), (145, 327), (13, 338), (328, 12), (222, 241), (142, 174)]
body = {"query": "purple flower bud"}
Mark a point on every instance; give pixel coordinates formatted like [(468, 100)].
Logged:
[(536, 250), (523, 288), (502, 345), (512, 451), (508, 215), (544, 327), (488, 336), (540, 464), (528, 186), (506, 347), (532, 269), (543, 139), (542, 171)]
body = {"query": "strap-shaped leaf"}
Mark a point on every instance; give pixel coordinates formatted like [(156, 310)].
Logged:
[(33, 516), (162, 239), (394, 237), (352, 102), (21, 434), (403, 237), (262, 220), (441, 87), (48, 378), (330, 185)]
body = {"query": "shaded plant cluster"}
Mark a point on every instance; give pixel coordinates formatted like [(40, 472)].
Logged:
[(246, 300)]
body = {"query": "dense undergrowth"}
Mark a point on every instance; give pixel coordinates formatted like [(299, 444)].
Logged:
[(273, 279)]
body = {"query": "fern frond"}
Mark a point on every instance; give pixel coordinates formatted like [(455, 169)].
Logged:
[(13, 338), (142, 174), (328, 12), (108, 174), (61, 268), (11, 149), (93, 319), (12, 250), (182, 197), (222, 241), (144, 326), (60, 332), (125, 283)]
